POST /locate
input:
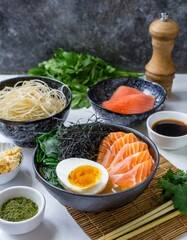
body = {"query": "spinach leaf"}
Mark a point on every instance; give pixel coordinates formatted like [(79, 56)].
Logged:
[(48, 156), (48, 148), (50, 175)]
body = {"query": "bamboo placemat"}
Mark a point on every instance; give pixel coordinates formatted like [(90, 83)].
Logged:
[(96, 225)]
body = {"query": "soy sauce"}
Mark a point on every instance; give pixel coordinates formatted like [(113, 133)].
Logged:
[(170, 127)]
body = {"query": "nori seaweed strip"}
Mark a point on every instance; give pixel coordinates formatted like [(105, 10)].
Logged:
[(82, 140)]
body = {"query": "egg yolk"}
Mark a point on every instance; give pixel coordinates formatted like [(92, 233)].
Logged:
[(84, 176)]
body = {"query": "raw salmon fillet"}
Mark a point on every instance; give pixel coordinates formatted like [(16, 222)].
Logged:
[(131, 161), (124, 91), (127, 100), (133, 177), (106, 143), (116, 146), (127, 150)]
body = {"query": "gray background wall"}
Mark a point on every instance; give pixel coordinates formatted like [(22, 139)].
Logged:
[(115, 30)]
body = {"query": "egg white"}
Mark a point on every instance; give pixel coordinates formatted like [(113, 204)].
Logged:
[(64, 168)]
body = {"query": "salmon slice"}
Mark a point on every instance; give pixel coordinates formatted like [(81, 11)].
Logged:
[(116, 146), (106, 143), (124, 91), (133, 177), (128, 100), (132, 104), (127, 150), (129, 162)]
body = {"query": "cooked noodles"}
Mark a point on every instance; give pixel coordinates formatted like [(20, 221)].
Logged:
[(30, 100)]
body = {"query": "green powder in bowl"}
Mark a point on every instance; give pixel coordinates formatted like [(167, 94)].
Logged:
[(18, 209)]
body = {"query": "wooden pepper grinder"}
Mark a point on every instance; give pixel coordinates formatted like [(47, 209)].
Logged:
[(161, 68)]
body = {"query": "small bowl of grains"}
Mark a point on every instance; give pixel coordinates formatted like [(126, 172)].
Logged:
[(21, 209), (10, 161)]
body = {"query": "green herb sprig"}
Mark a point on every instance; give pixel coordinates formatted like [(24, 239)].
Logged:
[(79, 72), (174, 186)]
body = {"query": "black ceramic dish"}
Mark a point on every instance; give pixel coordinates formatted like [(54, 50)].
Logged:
[(103, 90), (101, 202), (23, 133)]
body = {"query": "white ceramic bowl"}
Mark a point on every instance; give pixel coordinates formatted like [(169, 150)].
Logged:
[(26, 225), (6, 177), (162, 141)]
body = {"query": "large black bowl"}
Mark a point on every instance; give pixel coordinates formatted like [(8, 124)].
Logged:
[(24, 133), (100, 202), (103, 90)]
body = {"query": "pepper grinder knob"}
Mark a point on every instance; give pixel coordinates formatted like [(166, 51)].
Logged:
[(164, 16), (161, 68)]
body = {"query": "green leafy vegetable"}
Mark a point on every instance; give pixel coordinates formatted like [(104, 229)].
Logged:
[(79, 72), (48, 156), (48, 148), (50, 175), (174, 186)]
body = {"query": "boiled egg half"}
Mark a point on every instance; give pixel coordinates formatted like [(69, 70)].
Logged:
[(82, 175)]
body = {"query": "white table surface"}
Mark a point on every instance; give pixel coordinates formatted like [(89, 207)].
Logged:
[(57, 223)]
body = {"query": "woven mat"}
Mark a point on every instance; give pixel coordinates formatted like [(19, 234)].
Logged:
[(96, 225)]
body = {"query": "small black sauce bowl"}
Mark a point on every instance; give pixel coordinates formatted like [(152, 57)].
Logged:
[(24, 133), (103, 90), (101, 202)]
